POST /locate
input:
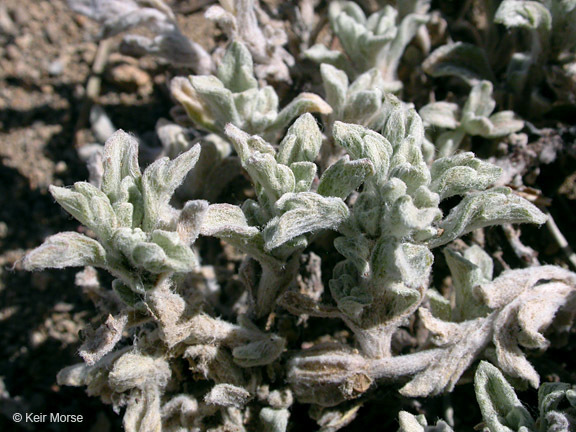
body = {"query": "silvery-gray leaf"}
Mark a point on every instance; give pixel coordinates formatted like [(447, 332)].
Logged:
[(135, 370), (406, 262), (89, 206), (344, 177), (526, 14), (66, 249), (217, 98), (171, 46), (492, 207), (104, 339), (245, 144), (440, 114), (440, 306), (395, 126), (366, 216), (361, 105), (406, 31), (117, 16), (190, 220), (74, 203), (553, 417), (414, 174), (514, 283), (335, 84), (302, 141), (513, 326), (467, 274), (274, 420), (480, 102), (259, 353), (302, 213), (226, 221), (349, 8), (356, 250), (448, 142), (143, 413), (227, 395), (236, 71), (196, 108), (411, 423), (450, 363), (304, 174), (303, 103), (172, 255), (245, 103), (501, 409), (369, 80), (362, 143), (321, 54), (405, 217), (274, 178), (160, 180), (461, 173), (504, 123), (350, 298), (460, 59)]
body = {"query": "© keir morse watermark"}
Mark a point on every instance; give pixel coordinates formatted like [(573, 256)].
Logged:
[(46, 418)]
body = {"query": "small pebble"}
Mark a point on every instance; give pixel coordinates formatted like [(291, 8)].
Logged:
[(55, 68)]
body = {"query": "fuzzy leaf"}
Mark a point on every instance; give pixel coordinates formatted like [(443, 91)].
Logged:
[(246, 145), (465, 342), (504, 123), (66, 249), (462, 60), (302, 213), (226, 221), (411, 423), (274, 420), (303, 103), (302, 142), (480, 102), (159, 182), (406, 263), (190, 220), (456, 175), (492, 207), (362, 143), (217, 98), (524, 14), (237, 70), (320, 54), (165, 252), (196, 108), (520, 323), (335, 84), (440, 114), (274, 178), (259, 353), (501, 409), (304, 173), (344, 177), (120, 160), (227, 395), (89, 206), (406, 32), (468, 271)]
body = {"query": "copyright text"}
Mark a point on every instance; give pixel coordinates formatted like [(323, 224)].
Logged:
[(47, 418)]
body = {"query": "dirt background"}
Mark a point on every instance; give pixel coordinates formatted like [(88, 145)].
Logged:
[(46, 55)]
